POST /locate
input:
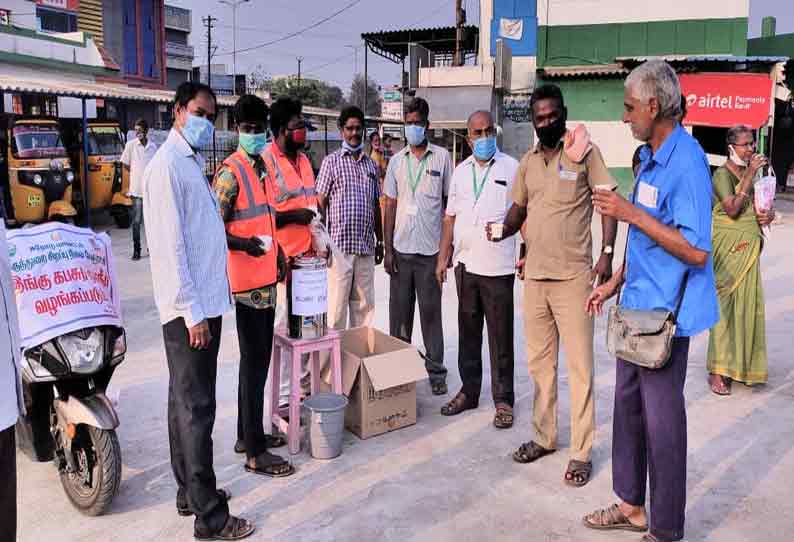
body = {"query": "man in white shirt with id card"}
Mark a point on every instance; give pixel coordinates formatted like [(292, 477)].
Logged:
[(416, 186), (480, 194)]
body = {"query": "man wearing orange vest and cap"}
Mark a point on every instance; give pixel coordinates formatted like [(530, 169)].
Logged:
[(256, 263), (295, 199)]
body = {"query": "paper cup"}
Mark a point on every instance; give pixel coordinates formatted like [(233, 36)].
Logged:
[(497, 230), (605, 187), (267, 242)]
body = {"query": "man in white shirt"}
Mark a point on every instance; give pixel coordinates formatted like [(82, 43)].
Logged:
[(11, 402), (187, 243), (136, 156), (416, 188), (479, 194)]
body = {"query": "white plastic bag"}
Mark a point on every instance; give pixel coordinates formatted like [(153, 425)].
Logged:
[(321, 241), (764, 194)]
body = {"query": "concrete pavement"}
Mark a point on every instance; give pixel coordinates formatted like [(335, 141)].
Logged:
[(445, 479)]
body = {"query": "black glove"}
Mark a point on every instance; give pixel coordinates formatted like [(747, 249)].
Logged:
[(281, 265)]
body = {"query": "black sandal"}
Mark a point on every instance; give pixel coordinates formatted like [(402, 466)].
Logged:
[(459, 404), (267, 464), (439, 388), (578, 473), (235, 529), (530, 451), (223, 494), (503, 419)]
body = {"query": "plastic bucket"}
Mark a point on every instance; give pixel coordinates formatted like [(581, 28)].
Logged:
[(326, 424)]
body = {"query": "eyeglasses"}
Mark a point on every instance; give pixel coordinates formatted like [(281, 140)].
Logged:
[(751, 144)]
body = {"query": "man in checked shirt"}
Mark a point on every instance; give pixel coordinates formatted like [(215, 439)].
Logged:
[(348, 194)]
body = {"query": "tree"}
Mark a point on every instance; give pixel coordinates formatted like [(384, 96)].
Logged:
[(373, 106), (311, 92)]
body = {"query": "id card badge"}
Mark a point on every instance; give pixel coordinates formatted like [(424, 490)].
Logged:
[(566, 175), (411, 209), (647, 195)]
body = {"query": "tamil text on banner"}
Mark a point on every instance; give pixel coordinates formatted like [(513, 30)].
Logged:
[(724, 100), (63, 279)]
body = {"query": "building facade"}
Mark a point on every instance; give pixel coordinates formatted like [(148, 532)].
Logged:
[(179, 54)]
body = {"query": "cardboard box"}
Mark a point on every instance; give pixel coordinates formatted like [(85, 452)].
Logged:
[(379, 375)]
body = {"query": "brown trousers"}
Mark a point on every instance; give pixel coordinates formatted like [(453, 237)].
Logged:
[(554, 310)]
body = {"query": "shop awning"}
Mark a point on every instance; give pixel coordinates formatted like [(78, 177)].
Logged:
[(594, 70), (393, 44), (450, 107)]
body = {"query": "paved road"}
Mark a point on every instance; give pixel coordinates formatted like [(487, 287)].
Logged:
[(445, 479)]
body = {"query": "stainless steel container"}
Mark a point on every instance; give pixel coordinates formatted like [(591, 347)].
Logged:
[(307, 298)]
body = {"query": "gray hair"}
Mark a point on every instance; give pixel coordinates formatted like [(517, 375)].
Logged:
[(477, 114), (733, 134), (657, 79)]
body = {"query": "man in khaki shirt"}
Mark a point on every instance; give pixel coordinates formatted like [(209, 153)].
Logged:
[(552, 193)]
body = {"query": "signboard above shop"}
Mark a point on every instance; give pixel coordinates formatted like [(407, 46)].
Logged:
[(68, 5), (724, 100)]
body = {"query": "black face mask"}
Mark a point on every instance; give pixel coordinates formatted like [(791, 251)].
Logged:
[(551, 134)]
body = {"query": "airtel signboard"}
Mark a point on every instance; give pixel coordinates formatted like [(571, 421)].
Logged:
[(724, 100)]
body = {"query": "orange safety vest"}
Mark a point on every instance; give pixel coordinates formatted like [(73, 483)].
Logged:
[(253, 215), (292, 190)]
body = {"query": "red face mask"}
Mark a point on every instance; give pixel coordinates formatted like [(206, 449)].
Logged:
[(299, 136)]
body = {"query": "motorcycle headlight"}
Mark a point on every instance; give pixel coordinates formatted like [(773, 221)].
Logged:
[(85, 356), (119, 349), (69, 176), (37, 179)]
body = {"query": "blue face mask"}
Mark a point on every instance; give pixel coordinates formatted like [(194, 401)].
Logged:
[(484, 148), (253, 143), (415, 135), (350, 148), (197, 131)]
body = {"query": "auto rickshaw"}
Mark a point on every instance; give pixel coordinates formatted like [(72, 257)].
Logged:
[(107, 182), (38, 170)]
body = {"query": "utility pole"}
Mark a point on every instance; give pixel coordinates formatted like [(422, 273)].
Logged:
[(234, 4), (208, 21), (460, 22), (355, 56), (299, 59)]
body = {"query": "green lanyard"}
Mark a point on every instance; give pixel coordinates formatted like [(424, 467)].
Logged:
[(414, 180), (478, 188)]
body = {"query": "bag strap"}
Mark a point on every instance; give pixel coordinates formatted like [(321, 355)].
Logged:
[(684, 282)]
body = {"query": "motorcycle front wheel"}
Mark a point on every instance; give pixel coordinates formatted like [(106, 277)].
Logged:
[(97, 456)]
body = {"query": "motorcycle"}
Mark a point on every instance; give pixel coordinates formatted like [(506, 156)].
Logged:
[(69, 418)]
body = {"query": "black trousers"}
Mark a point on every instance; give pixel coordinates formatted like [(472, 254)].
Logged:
[(416, 280), (136, 213), (255, 336), (191, 416), (485, 299), (8, 485)]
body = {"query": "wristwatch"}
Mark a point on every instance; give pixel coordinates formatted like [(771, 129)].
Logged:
[(608, 250)]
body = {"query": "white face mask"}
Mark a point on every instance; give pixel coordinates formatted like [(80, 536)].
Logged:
[(735, 157)]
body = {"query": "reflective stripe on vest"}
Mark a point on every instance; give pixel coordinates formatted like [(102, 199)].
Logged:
[(253, 210), (285, 193)]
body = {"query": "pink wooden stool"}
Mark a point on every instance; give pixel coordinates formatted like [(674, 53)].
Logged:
[(296, 349)]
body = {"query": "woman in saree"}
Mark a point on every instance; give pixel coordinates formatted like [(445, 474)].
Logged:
[(737, 344)]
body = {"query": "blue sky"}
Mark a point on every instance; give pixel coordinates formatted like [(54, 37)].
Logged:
[(325, 50)]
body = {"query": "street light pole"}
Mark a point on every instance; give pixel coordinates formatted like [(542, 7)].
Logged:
[(234, 4)]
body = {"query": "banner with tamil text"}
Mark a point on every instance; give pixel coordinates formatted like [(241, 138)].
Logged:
[(63, 279)]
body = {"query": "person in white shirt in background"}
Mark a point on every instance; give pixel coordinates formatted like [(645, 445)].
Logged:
[(11, 402), (137, 154), (187, 244), (479, 194)]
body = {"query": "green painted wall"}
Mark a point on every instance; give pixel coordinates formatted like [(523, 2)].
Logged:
[(592, 99), (624, 177), (602, 43), (780, 45)]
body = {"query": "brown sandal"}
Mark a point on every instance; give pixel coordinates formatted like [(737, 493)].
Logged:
[(267, 464), (235, 529), (611, 519), (459, 404), (719, 384), (503, 419), (578, 473), (530, 451)]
